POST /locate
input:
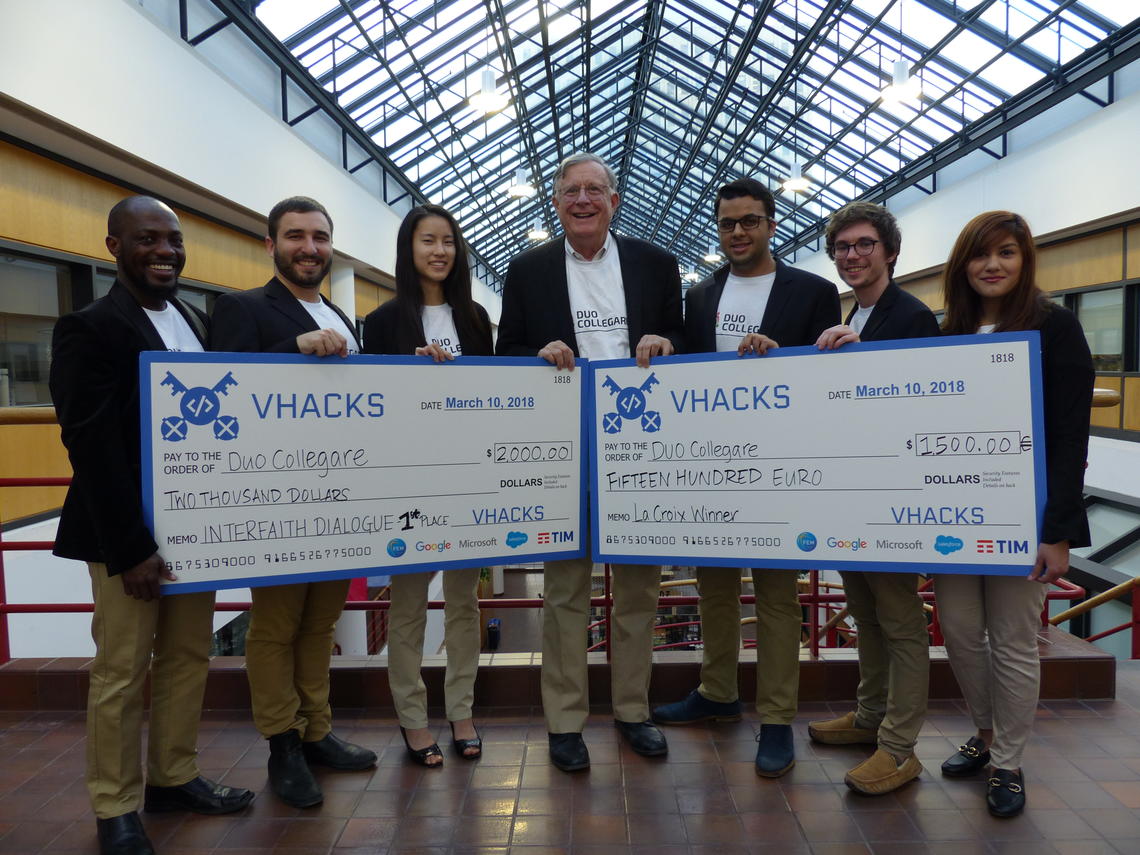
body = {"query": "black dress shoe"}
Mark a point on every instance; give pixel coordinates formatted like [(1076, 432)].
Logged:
[(289, 774), (568, 751), (123, 835), (334, 752), (970, 759), (200, 795), (643, 737), (1006, 794)]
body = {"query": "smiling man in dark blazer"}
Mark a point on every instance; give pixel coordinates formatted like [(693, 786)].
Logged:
[(750, 305), (594, 294), (95, 389), (894, 648), (289, 644)]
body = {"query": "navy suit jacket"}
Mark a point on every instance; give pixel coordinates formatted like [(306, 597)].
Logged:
[(897, 314), (536, 297), (800, 307), (95, 388), (264, 320)]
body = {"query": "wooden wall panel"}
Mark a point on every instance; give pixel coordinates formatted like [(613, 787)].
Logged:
[(31, 451), (1132, 258), (1108, 417), (369, 296), (44, 203), (1085, 261), (1131, 402), (928, 289)]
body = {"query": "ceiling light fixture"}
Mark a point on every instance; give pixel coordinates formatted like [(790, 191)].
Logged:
[(692, 276), (537, 232), (903, 87), (521, 188), (797, 182), (488, 99), (713, 255)]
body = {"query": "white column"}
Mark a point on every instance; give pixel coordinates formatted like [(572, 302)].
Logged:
[(343, 282)]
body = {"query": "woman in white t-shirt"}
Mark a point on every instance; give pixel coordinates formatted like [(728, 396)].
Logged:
[(990, 622), (432, 315)]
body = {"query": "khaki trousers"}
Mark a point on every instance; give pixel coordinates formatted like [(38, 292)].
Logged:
[(565, 617), (990, 624), (287, 654), (407, 619), (778, 625), (894, 655), (172, 636)]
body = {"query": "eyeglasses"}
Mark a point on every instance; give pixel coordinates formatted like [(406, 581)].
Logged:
[(748, 223), (593, 191), (863, 246)]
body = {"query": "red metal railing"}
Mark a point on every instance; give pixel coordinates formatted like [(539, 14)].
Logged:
[(813, 598)]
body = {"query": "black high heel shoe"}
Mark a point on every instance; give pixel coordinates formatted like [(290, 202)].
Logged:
[(461, 746), (421, 755)]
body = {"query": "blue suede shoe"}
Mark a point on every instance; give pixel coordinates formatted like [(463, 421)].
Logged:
[(775, 753), (694, 708)]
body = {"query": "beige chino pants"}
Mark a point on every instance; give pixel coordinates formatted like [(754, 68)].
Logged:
[(171, 636)]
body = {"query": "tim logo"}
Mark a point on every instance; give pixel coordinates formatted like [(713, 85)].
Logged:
[(548, 537), (1003, 547), (198, 406)]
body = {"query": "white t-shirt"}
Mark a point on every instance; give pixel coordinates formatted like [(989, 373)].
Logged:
[(327, 319), (859, 319), (741, 308), (597, 302), (986, 328), (173, 330), (439, 328)]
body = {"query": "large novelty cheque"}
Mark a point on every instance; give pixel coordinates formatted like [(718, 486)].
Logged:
[(925, 455), (268, 469)]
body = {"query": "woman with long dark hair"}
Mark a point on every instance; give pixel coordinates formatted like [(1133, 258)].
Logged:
[(990, 622), (432, 315)]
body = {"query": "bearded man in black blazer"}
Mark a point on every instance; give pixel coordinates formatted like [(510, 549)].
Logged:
[(95, 388), (752, 304), (594, 294), (289, 644), (894, 647)]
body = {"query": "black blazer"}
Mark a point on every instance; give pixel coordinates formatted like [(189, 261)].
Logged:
[(1068, 376), (800, 307), (94, 384), (381, 328), (536, 298), (264, 320), (897, 314)]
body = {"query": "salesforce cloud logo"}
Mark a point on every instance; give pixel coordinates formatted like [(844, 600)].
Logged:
[(946, 544), (515, 539), (397, 547), (806, 541)]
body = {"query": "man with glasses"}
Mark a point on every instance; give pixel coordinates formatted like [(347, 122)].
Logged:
[(894, 648), (752, 304), (594, 294)]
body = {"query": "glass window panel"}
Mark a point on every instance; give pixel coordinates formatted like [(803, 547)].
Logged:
[(1101, 313), (1126, 561), (30, 296), (1106, 523)]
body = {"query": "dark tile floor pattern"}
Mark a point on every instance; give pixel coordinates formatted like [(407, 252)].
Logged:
[(1083, 782)]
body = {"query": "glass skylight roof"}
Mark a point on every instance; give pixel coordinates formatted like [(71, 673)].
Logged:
[(678, 96)]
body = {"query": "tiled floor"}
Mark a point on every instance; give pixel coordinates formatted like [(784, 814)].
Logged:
[(1083, 783)]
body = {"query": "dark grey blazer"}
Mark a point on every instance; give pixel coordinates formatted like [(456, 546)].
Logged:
[(536, 298), (264, 320), (897, 314), (800, 307), (94, 384)]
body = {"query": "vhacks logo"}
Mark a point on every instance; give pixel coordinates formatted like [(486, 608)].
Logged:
[(630, 404), (199, 406)]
